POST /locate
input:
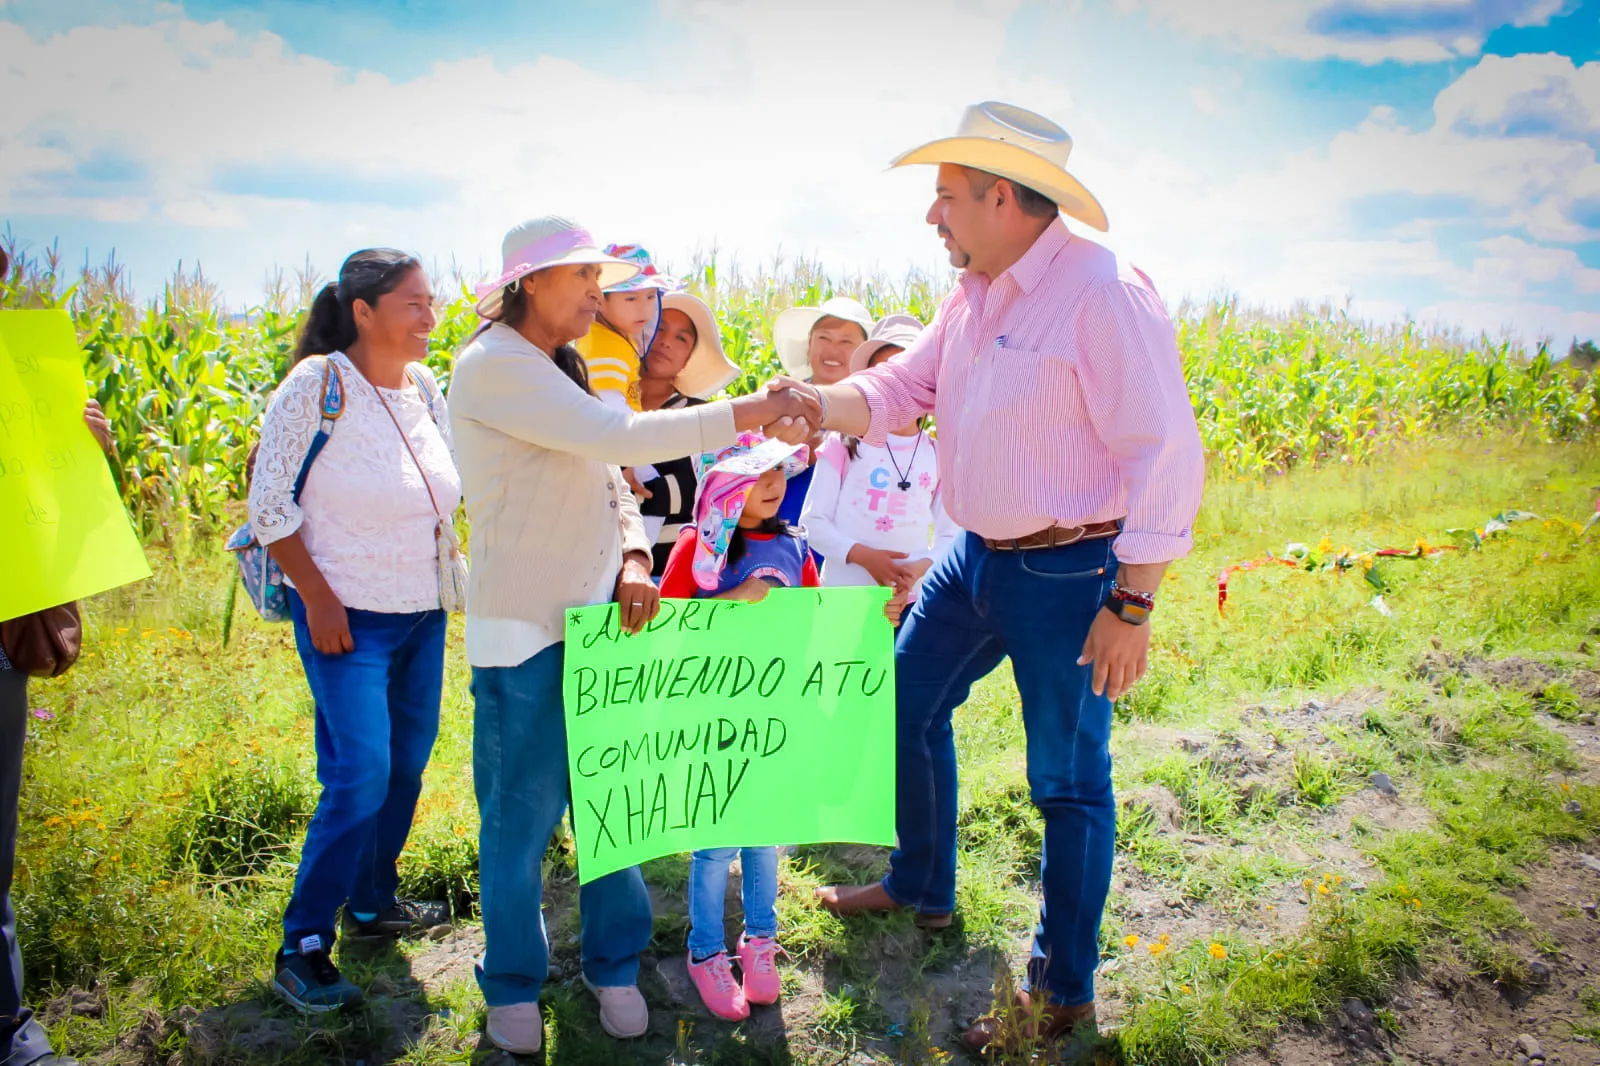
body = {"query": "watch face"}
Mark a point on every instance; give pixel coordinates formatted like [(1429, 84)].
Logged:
[(1133, 612)]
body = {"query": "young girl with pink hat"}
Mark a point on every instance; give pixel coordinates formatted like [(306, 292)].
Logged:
[(738, 549)]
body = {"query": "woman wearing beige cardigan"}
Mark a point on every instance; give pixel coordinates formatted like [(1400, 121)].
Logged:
[(554, 526)]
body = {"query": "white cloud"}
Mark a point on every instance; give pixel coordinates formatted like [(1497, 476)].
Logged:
[(1365, 31), (775, 139)]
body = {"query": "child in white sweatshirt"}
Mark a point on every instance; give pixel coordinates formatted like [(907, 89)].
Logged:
[(873, 512)]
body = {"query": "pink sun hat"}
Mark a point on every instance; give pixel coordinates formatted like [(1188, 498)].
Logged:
[(897, 330), (540, 243), (726, 478)]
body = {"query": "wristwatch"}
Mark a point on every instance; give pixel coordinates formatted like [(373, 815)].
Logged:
[(1132, 607)]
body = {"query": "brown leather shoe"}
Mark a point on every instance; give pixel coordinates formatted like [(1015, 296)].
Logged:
[(846, 900), (1025, 1024)]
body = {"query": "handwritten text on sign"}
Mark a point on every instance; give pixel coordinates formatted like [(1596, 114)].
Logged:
[(65, 531), (730, 724)]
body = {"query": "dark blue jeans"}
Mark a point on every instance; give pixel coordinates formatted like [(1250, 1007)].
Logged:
[(977, 607), (519, 769), (377, 719)]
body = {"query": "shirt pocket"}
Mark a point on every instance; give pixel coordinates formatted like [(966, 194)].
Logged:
[(1028, 391)]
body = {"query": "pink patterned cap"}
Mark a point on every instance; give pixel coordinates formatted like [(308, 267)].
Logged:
[(726, 478)]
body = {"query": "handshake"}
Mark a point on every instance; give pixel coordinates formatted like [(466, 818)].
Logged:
[(785, 409)]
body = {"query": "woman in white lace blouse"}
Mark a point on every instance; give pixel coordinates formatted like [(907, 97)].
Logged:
[(352, 522)]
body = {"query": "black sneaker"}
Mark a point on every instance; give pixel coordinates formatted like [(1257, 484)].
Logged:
[(404, 918), (310, 982)]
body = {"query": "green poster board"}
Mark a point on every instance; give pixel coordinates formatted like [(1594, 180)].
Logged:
[(730, 724)]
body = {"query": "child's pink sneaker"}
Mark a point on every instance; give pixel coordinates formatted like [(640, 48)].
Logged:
[(758, 958), (713, 979)]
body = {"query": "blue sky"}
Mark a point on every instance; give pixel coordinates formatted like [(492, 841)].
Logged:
[(1425, 158)]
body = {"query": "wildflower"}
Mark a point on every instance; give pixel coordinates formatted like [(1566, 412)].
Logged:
[(1132, 940), (1404, 891), (1324, 546), (1417, 903), (1157, 949), (52, 821), (1338, 880), (1218, 951), (1307, 883), (1185, 989), (44, 714), (121, 630), (1322, 890)]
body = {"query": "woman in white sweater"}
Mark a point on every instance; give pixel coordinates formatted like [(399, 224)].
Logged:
[(353, 476), (554, 526)]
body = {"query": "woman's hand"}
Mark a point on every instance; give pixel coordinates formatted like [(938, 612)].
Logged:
[(100, 426), (639, 491), (884, 566), (329, 624), (783, 414), (638, 599)]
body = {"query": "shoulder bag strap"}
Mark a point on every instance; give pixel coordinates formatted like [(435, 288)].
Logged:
[(332, 405), (407, 442)]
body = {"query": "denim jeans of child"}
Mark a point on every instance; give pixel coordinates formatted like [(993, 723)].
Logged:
[(977, 607), (708, 888), (377, 716), (519, 768)]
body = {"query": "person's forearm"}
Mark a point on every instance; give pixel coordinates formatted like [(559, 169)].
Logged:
[(290, 553), (1141, 577), (846, 409)]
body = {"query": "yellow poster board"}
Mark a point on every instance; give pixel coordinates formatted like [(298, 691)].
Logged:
[(64, 533)]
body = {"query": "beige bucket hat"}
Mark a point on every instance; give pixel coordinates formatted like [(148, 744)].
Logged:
[(1015, 143), (709, 370), (791, 330)]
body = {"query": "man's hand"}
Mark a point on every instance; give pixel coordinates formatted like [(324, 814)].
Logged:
[(100, 426), (638, 599), (794, 417), (1119, 651), (884, 566), (639, 491)]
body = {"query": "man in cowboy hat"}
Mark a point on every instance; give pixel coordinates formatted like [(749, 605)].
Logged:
[(1068, 449)]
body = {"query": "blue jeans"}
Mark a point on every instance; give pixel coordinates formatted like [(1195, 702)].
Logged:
[(708, 888), (519, 769), (377, 719), (977, 607)]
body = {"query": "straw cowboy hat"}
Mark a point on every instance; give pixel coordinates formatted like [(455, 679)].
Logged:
[(540, 243), (1017, 144), (708, 370), (897, 330), (791, 331)]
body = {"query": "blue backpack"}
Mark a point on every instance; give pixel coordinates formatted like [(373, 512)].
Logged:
[(262, 577)]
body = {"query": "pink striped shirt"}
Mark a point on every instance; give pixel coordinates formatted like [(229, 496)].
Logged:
[(1059, 398)]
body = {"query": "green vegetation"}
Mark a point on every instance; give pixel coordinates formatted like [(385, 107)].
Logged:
[(1260, 877)]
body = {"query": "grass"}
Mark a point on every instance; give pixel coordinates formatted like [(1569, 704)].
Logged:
[(169, 778)]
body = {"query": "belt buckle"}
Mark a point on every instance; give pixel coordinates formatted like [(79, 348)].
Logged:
[(1078, 532)]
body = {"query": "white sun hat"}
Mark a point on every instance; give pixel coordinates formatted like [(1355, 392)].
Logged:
[(791, 331), (897, 330), (546, 242), (1018, 144), (708, 370)]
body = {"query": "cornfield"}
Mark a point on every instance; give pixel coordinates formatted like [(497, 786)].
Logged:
[(184, 381)]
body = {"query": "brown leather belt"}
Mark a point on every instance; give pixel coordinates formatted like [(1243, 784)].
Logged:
[(1055, 537)]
